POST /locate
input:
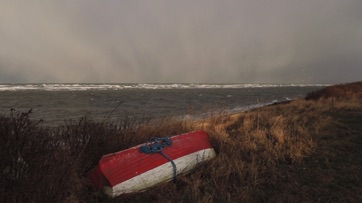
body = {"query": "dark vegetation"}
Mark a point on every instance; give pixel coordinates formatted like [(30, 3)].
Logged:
[(338, 91), (305, 150)]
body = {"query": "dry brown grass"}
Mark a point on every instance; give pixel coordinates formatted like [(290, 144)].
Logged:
[(304, 150), (338, 91), (266, 155)]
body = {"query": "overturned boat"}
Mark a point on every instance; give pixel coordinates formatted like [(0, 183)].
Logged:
[(146, 165)]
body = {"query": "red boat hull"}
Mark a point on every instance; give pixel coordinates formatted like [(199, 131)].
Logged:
[(132, 171)]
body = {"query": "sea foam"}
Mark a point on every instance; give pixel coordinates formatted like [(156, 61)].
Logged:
[(151, 86)]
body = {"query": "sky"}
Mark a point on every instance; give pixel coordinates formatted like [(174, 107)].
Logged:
[(180, 41)]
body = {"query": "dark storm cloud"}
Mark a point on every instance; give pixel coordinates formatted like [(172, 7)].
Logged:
[(278, 41)]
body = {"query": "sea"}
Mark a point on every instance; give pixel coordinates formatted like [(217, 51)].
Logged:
[(55, 104)]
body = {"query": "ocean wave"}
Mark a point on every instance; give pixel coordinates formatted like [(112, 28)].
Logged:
[(151, 86)]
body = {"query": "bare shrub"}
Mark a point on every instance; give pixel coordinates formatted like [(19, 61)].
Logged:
[(33, 167)]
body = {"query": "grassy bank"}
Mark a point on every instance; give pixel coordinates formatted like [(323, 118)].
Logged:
[(303, 150)]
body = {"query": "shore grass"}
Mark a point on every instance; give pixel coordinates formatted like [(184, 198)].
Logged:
[(305, 150)]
